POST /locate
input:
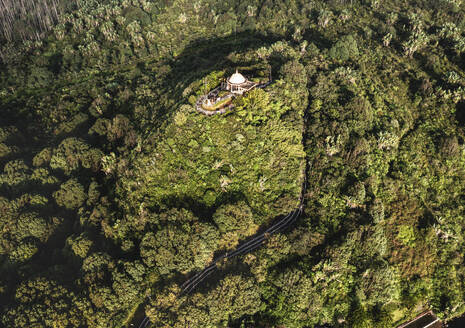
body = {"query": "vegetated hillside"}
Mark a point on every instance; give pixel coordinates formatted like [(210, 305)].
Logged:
[(114, 188)]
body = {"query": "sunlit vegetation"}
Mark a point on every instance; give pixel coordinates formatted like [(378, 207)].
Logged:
[(217, 105), (114, 189)]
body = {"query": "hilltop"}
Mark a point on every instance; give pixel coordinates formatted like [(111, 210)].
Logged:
[(114, 189)]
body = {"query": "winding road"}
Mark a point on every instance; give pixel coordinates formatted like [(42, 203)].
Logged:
[(242, 249)]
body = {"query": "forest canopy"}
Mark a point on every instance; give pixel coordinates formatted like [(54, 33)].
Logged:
[(114, 189)]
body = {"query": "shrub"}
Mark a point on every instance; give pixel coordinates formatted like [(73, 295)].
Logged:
[(406, 235)]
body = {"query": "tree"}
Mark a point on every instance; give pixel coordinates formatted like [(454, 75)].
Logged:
[(324, 17), (79, 245), (74, 152), (128, 282), (31, 225), (42, 302), (416, 41), (379, 285), (235, 296), (15, 172), (43, 157), (70, 195), (235, 222), (181, 248), (344, 49), (23, 251)]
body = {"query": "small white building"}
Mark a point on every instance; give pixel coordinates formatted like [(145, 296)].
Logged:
[(238, 84)]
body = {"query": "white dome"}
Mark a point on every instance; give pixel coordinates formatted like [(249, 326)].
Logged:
[(237, 78)]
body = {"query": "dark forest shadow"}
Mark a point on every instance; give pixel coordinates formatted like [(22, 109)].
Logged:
[(460, 113)]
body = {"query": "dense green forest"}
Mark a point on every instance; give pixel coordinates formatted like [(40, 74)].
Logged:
[(114, 189)]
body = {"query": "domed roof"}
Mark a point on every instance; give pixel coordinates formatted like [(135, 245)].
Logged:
[(237, 78)]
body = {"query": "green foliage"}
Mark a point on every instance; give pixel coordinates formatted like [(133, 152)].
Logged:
[(379, 285), (208, 163), (43, 157), (44, 302), (29, 224), (406, 235), (361, 318), (72, 153), (254, 107), (70, 195), (15, 172), (344, 49), (235, 222), (232, 298), (181, 249), (104, 161), (80, 245), (23, 251)]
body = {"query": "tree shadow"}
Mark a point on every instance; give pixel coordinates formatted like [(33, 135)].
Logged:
[(460, 113), (317, 38), (198, 208)]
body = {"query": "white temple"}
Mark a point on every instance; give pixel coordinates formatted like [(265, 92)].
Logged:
[(219, 101), (238, 84)]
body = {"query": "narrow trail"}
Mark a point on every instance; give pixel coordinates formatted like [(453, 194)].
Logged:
[(254, 243)]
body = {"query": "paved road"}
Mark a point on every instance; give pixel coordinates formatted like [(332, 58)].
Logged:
[(242, 249)]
